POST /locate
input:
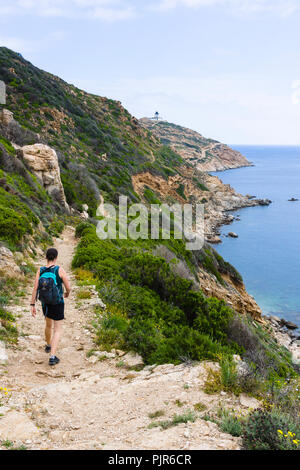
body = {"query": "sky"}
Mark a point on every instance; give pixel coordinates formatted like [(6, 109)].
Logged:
[(229, 69)]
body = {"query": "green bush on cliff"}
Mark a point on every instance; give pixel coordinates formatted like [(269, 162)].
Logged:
[(166, 320), (13, 226), (8, 329)]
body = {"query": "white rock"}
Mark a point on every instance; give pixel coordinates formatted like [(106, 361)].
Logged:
[(133, 359), (93, 360), (34, 337), (249, 402), (43, 161), (109, 355), (15, 426), (8, 266), (3, 354), (6, 116), (96, 302)]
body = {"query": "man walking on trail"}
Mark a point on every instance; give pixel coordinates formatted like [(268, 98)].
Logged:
[(48, 287)]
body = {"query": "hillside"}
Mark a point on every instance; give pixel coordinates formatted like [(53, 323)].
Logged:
[(142, 310), (203, 153), (64, 150), (99, 144)]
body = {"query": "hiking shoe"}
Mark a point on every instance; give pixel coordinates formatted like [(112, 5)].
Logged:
[(47, 348), (53, 361)]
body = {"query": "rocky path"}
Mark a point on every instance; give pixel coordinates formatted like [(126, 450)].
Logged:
[(98, 402)]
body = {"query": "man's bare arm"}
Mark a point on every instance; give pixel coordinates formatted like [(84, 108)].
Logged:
[(34, 292), (62, 273)]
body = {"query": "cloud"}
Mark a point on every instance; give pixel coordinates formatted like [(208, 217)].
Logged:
[(230, 108), (25, 46), (282, 7), (18, 44), (106, 10)]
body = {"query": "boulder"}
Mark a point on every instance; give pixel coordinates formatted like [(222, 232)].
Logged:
[(288, 324), (8, 266), (275, 319), (43, 162), (96, 302), (233, 235), (6, 117), (16, 426), (264, 202), (249, 402), (133, 359)]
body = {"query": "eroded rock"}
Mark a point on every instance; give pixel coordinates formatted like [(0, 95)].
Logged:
[(8, 266), (43, 162)]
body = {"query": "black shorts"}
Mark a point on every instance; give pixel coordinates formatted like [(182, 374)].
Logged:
[(55, 312)]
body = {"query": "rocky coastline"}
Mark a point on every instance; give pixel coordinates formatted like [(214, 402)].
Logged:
[(286, 334), (220, 203), (223, 202)]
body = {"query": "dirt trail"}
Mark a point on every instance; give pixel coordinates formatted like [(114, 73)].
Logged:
[(87, 403)]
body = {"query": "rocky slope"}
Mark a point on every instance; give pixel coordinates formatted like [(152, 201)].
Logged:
[(203, 153), (186, 186)]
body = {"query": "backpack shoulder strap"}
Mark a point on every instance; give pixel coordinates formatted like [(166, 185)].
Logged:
[(42, 270)]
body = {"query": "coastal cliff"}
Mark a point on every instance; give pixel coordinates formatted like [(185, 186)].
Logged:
[(149, 322), (203, 153), (84, 149)]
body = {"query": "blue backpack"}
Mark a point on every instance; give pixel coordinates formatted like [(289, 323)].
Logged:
[(48, 291)]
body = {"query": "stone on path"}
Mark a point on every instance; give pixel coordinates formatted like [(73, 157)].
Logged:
[(15, 426)]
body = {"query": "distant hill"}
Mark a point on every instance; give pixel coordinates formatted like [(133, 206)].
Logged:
[(205, 154)]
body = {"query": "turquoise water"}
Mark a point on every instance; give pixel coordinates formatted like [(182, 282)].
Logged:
[(267, 252)]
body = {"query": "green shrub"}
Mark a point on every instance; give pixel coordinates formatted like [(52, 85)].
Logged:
[(267, 359), (56, 227), (13, 226), (271, 430), (167, 320), (231, 424), (188, 416), (150, 196)]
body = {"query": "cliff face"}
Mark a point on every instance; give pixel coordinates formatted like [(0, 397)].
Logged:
[(205, 154), (42, 161)]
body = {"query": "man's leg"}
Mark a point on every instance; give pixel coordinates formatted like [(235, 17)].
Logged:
[(56, 336), (48, 330)]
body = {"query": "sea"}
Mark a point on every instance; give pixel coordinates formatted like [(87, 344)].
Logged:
[(267, 250)]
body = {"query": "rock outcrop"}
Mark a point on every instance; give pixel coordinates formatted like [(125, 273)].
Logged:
[(43, 162), (218, 198), (8, 266), (205, 154), (6, 117)]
